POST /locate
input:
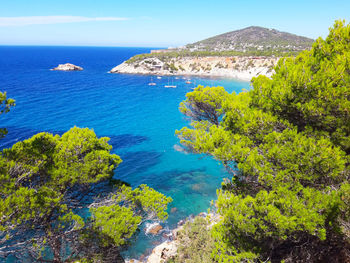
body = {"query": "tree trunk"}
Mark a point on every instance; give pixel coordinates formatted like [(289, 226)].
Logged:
[(56, 248)]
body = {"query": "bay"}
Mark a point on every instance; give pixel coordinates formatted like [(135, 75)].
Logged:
[(139, 119)]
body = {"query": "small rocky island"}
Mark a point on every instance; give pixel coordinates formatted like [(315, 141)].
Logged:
[(67, 67)]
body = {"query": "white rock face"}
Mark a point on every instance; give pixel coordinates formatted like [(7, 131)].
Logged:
[(163, 252), (160, 254), (68, 67), (241, 68)]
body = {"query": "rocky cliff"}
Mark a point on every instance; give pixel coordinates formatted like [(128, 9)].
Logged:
[(243, 68)]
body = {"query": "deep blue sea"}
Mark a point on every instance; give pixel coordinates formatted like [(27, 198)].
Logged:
[(139, 119)]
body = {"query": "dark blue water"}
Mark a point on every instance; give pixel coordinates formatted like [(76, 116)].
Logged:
[(139, 119)]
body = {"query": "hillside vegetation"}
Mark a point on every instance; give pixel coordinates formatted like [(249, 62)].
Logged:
[(254, 38)]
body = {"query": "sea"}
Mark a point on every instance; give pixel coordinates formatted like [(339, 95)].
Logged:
[(139, 119)]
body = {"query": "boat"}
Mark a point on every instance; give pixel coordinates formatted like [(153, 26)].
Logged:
[(152, 83), (194, 85), (170, 86), (159, 77)]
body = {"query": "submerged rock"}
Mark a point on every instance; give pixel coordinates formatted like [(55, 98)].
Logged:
[(154, 229), (179, 148), (67, 67)]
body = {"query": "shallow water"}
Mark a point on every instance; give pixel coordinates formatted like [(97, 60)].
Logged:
[(139, 119)]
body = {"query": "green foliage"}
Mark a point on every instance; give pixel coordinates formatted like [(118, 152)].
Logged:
[(116, 222), (312, 90), (204, 104), (343, 219), (195, 242), (181, 68), (120, 222), (47, 183), (286, 143), (5, 105), (171, 67)]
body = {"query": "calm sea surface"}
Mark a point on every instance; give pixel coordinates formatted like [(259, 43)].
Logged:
[(139, 119)]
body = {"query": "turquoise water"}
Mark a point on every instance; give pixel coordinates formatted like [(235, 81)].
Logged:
[(139, 119)]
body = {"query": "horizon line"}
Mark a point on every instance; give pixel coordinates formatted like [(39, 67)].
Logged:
[(69, 45)]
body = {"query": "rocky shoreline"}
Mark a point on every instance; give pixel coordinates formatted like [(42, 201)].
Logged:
[(238, 67), (168, 249)]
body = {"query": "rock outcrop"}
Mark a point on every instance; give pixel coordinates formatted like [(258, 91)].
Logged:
[(154, 229), (68, 67), (163, 252)]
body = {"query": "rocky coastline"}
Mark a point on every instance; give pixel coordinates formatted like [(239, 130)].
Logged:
[(237, 67), (168, 249)]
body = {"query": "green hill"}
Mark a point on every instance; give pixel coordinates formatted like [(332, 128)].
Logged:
[(250, 41), (253, 38)]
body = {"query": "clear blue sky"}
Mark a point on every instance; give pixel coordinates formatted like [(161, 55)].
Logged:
[(157, 23)]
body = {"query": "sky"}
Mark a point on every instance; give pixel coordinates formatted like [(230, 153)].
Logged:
[(155, 23)]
